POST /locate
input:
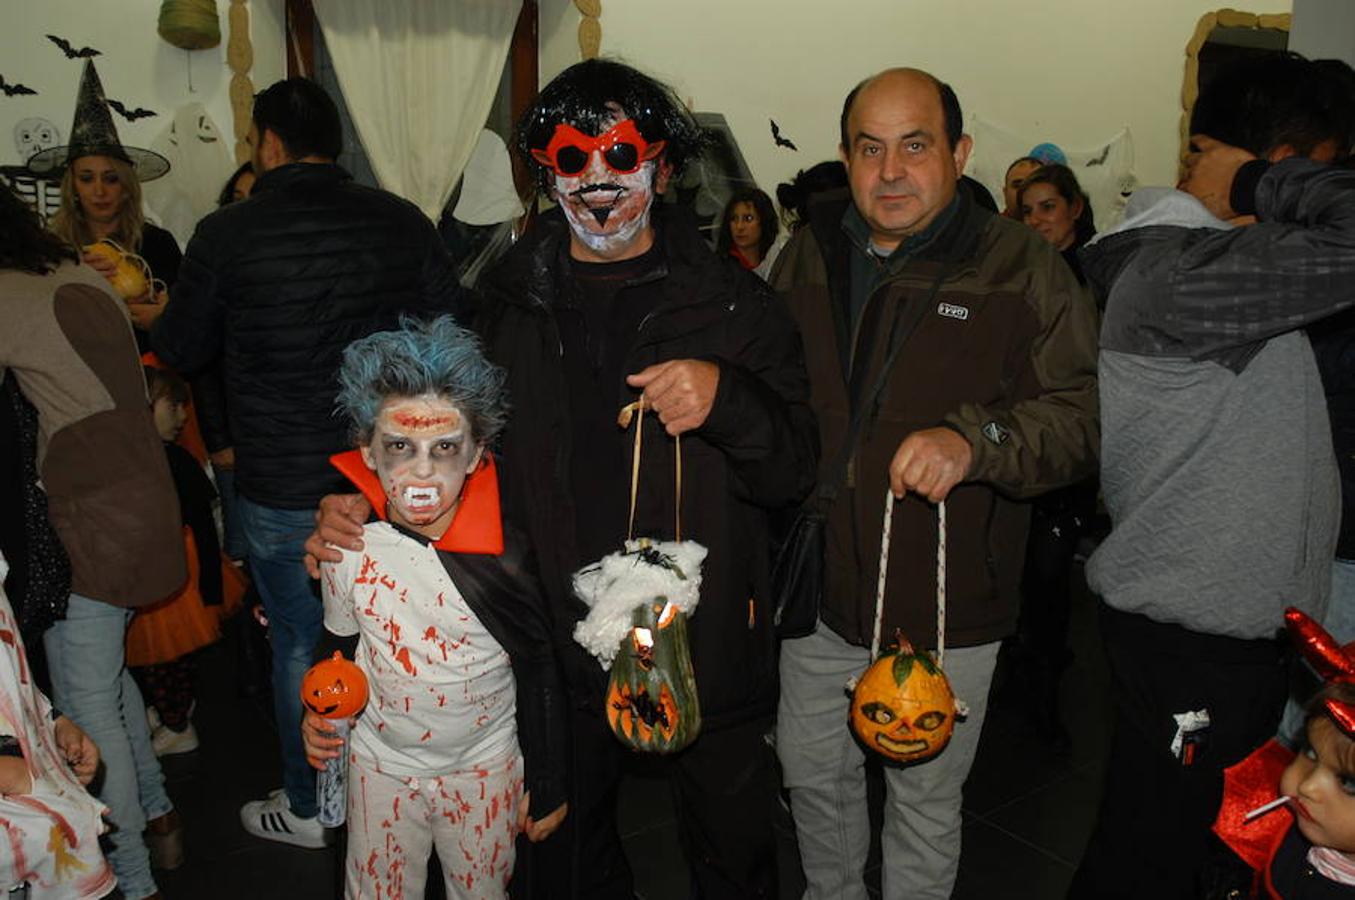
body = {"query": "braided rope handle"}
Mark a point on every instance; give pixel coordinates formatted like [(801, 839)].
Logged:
[(940, 579)]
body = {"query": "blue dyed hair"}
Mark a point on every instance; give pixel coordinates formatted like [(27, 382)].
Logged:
[(437, 357)]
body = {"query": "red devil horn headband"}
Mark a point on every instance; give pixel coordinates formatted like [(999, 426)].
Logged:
[(1321, 650), (1332, 661), (1343, 714)]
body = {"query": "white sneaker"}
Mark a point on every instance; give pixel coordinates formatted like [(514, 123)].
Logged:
[(165, 741), (273, 820)]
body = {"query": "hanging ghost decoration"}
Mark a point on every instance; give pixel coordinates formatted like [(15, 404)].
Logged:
[(200, 162)]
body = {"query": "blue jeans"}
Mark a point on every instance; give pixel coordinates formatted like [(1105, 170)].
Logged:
[(90, 683), (276, 539)]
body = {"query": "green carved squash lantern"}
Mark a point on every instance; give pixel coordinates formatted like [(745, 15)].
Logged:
[(651, 694), (640, 600)]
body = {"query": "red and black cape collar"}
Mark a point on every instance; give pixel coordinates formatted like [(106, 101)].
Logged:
[(477, 526)]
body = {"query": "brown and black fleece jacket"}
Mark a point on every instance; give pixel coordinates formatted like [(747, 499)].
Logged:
[(110, 497), (1004, 353)]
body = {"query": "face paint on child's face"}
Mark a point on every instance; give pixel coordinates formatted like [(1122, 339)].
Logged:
[(1321, 779), (608, 210), (170, 417), (422, 450)]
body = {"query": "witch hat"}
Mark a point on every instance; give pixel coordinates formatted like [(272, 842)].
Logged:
[(93, 134)]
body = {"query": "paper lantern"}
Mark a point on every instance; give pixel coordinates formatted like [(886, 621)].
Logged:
[(190, 24)]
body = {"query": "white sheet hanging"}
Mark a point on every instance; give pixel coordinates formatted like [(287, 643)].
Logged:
[(1105, 171), (200, 161), (488, 195), (419, 77)]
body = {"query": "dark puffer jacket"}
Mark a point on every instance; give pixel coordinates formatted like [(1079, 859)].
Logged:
[(278, 285), (755, 452)]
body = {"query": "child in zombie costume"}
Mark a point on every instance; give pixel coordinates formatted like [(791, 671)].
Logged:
[(49, 824), (1306, 852), (612, 297), (451, 630)]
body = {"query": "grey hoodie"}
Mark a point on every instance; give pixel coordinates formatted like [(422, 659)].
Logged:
[(1217, 463)]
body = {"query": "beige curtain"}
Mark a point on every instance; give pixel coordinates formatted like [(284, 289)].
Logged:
[(419, 77)]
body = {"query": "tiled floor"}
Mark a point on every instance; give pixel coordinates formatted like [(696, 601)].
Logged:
[(1027, 811)]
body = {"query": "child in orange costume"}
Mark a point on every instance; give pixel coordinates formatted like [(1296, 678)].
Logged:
[(162, 636)]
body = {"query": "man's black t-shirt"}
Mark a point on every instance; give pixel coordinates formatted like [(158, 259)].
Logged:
[(605, 306)]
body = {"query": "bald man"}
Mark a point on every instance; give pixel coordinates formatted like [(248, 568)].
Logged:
[(991, 397)]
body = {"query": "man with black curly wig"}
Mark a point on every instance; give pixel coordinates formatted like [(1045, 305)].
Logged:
[(611, 297)]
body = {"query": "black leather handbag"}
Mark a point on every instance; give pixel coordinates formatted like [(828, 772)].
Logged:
[(797, 576), (798, 567)]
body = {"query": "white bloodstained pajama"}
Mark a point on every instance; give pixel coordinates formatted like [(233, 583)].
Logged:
[(434, 756), (470, 817)]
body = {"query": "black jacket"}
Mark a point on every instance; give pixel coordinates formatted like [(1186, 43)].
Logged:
[(278, 285), (756, 451), (505, 596), (1334, 347)]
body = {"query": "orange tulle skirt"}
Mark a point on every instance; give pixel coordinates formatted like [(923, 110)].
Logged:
[(169, 629)]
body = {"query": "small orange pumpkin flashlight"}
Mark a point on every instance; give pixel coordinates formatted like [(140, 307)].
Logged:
[(334, 688)]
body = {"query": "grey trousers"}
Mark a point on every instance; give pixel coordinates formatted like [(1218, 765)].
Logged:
[(824, 772)]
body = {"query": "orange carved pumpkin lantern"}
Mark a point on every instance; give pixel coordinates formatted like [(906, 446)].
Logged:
[(902, 707), (334, 688)]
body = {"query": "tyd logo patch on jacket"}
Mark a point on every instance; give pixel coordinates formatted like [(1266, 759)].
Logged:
[(953, 311)]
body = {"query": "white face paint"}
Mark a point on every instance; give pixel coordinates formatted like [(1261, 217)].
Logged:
[(606, 211), (422, 450)]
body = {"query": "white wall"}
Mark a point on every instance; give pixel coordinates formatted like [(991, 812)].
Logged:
[(1324, 29), (137, 66), (1073, 71)]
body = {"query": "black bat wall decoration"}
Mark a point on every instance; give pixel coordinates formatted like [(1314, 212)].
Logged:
[(780, 141), (131, 115), (71, 52), (12, 89)]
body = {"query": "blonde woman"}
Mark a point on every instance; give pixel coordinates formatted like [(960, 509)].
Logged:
[(101, 197)]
